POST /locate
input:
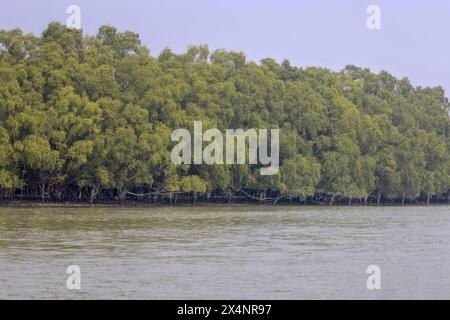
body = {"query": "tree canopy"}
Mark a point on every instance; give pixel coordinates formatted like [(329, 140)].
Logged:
[(90, 117)]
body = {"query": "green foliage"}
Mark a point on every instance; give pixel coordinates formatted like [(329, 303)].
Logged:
[(81, 115), (301, 176), (193, 184)]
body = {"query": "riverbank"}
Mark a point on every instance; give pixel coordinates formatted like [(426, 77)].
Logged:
[(134, 204)]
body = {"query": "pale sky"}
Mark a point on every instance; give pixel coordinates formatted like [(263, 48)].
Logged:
[(414, 40)]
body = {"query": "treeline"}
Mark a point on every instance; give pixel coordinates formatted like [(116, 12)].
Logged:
[(89, 118)]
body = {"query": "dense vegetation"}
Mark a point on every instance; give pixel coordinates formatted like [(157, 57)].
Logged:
[(89, 118)]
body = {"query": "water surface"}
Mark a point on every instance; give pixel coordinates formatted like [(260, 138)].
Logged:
[(225, 253)]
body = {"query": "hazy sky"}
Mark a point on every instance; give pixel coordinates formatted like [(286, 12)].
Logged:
[(414, 40)]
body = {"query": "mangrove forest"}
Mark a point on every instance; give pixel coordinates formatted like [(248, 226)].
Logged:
[(88, 118)]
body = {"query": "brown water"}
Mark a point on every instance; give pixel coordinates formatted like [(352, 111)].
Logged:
[(225, 253)]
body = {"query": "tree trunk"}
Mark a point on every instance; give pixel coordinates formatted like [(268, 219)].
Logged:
[(42, 190), (58, 195), (262, 196), (123, 195), (332, 200), (94, 192), (428, 200), (280, 196), (403, 199), (379, 198)]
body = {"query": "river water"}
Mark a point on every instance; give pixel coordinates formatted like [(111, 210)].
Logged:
[(225, 252)]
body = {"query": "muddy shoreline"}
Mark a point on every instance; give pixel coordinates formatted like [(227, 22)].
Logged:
[(135, 204)]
